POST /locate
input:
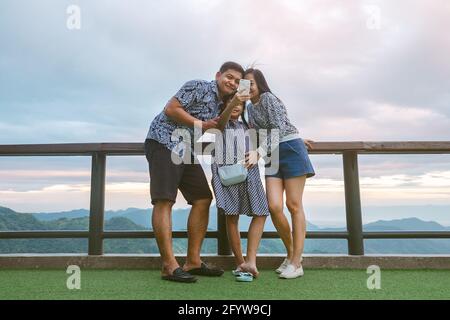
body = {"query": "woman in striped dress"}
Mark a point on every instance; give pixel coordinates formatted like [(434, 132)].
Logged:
[(245, 198)]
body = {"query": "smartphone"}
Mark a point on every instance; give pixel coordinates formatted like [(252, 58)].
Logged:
[(244, 87)]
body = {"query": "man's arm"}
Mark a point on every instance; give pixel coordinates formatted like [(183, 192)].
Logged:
[(175, 111)]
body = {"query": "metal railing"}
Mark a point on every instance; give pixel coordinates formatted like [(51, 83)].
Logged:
[(99, 151)]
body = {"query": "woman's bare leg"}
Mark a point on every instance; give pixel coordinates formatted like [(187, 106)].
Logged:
[(274, 190), (294, 193)]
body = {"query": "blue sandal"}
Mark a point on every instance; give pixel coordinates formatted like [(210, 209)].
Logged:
[(244, 277)]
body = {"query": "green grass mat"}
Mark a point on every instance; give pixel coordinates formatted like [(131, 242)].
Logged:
[(146, 284)]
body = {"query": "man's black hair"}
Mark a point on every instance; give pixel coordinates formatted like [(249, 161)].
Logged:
[(230, 65)]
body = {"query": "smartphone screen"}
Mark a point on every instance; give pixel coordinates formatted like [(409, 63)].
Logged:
[(244, 86)]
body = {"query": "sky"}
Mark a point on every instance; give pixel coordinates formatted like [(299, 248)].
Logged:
[(347, 71)]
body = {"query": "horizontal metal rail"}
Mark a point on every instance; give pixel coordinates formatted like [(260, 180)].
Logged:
[(407, 235), (70, 149), (130, 234), (355, 235), (43, 234)]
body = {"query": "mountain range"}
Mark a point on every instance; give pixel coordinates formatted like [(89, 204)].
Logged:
[(139, 219), (142, 217)]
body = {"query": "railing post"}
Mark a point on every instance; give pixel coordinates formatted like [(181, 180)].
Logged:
[(353, 203), (97, 206), (223, 248)]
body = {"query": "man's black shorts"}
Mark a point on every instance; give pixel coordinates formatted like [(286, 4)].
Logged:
[(166, 177)]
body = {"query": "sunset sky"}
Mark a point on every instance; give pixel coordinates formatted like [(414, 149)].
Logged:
[(353, 70)]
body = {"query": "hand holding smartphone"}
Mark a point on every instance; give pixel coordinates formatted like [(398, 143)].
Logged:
[(244, 87)]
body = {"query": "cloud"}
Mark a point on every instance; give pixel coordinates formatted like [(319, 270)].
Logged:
[(339, 79), (127, 60), (394, 189), (382, 122)]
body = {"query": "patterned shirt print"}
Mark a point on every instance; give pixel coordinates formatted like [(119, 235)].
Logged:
[(199, 98), (270, 113)]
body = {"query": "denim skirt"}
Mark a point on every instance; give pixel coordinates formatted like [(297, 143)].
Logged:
[(292, 161)]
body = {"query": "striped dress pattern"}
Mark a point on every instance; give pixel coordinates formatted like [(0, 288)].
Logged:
[(248, 197)]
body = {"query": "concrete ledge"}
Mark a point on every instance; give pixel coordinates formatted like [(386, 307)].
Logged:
[(46, 261)]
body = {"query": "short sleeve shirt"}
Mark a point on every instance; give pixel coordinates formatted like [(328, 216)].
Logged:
[(199, 98)]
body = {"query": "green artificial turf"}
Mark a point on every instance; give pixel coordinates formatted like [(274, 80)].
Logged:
[(146, 284)]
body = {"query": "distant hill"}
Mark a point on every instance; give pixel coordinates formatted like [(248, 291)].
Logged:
[(126, 220), (143, 218), (11, 220), (79, 213), (409, 224), (335, 215), (138, 216)]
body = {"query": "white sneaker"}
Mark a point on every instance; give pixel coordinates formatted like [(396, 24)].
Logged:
[(285, 263), (283, 266), (291, 272)]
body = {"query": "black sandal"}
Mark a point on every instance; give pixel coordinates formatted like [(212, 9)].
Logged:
[(179, 275), (207, 271)]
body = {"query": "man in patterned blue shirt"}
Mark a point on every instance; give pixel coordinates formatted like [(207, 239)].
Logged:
[(197, 102)]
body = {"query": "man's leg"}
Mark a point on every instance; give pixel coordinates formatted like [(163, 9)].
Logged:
[(162, 227), (165, 176), (197, 226), (195, 190)]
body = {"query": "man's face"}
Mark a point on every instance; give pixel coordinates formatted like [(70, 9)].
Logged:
[(228, 81)]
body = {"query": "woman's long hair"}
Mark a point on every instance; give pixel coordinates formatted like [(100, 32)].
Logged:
[(260, 80)]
